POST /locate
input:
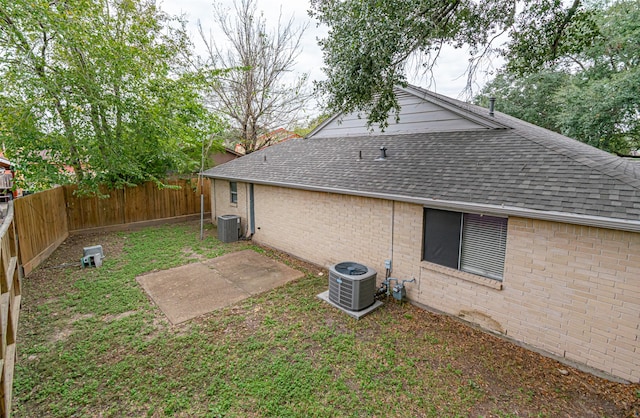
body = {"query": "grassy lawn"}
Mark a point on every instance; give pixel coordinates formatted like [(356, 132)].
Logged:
[(92, 344)]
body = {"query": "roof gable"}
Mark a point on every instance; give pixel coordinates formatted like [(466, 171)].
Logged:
[(420, 112)]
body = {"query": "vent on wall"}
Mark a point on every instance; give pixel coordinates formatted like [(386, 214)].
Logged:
[(352, 286)]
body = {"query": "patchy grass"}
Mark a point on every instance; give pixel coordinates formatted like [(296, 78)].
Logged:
[(92, 344)]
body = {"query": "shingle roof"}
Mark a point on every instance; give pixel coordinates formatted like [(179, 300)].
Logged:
[(524, 167)]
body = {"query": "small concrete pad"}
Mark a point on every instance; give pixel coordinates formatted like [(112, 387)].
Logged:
[(186, 292), (252, 272), (355, 314)]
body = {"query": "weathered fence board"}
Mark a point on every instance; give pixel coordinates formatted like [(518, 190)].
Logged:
[(92, 212), (10, 297), (41, 221), (133, 205)]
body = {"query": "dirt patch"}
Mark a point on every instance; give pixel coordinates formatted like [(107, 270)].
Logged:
[(62, 334), (52, 279), (111, 318), (193, 255), (65, 332), (82, 317)]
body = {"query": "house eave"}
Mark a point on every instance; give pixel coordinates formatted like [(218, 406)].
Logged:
[(500, 210)]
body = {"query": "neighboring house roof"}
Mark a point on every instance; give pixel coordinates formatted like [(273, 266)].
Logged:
[(455, 156), (270, 138), (46, 155), (4, 162), (277, 136), (232, 152)]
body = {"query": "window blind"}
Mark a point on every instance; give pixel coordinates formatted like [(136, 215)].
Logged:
[(484, 240)]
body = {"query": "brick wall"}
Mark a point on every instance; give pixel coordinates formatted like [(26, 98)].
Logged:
[(582, 286), (221, 204), (324, 228), (570, 290)]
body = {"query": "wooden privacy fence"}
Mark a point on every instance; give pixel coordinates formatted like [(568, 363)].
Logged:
[(41, 221), (44, 220), (10, 291), (132, 205)]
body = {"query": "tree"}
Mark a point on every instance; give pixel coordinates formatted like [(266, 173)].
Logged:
[(306, 127), (253, 92), (370, 42), (101, 86), (592, 95)]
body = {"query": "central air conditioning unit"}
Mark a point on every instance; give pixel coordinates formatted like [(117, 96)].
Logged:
[(228, 228), (352, 286)]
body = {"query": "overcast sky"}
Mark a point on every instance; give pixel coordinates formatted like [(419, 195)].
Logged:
[(449, 78)]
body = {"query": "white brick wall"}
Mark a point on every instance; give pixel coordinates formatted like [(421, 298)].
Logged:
[(571, 290)]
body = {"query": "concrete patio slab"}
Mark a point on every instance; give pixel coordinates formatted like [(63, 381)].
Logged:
[(252, 272), (188, 291)]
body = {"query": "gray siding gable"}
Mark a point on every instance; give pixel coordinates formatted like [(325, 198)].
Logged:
[(418, 113)]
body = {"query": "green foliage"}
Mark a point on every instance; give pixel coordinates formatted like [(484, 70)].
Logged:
[(370, 42), (304, 129), (547, 30), (103, 87), (592, 95), (530, 97)]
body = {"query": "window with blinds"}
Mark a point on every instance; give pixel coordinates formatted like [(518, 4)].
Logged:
[(468, 242), (484, 240)]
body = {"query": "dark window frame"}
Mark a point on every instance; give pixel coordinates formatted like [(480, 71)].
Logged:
[(466, 242), (233, 191)]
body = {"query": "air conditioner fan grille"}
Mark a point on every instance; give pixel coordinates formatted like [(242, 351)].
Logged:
[(350, 268)]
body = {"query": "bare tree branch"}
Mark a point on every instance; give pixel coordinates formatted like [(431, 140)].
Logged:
[(257, 93)]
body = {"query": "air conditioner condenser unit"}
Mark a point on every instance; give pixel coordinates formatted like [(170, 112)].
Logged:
[(352, 286)]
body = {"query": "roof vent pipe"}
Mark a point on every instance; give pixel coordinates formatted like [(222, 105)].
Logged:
[(383, 153), (492, 105)]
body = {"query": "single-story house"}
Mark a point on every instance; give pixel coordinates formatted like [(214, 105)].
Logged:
[(518, 229)]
